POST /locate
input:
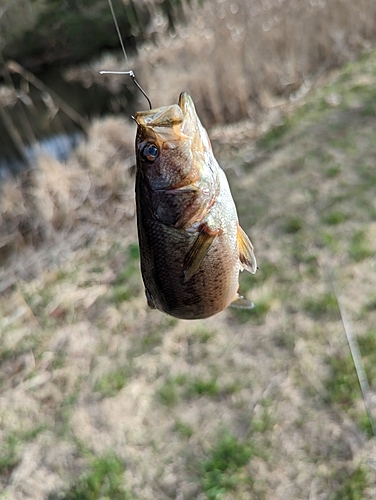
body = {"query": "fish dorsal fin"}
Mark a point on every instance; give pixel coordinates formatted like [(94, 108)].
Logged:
[(246, 253), (198, 251), (241, 303)]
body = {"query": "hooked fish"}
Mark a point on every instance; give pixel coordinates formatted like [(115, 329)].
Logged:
[(191, 244)]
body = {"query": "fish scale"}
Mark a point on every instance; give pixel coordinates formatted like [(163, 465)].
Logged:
[(163, 273)]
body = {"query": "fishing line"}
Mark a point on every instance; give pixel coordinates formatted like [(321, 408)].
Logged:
[(350, 336), (130, 72), (118, 31), (348, 328), (355, 352)]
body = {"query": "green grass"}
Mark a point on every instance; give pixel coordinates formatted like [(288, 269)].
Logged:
[(63, 413), (151, 336), (211, 388), (343, 384), (343, 140), (9, 456), (274, 135), (168, 394), (203, 334), (322, 306), (134, 252), (365, 424), (329, 241), (203, 387), (264, 421), (128, 284), (145, 342), (221, 469), (367, 175), (122, 292), (256, 315), (313, 196), (333, 171), (185, 430), (111, 383), (186, 387), (334, 218), (370, 305), (103, 480), (353, 485), (265, 270), (359, 247), (293, 225)]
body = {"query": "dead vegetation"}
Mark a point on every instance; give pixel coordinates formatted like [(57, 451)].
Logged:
[(55, 196), (103, 398), (238, 58)]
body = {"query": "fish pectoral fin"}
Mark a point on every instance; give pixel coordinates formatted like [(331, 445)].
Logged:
[(241, 303), (198, 251), (246, 254), (149, 299)]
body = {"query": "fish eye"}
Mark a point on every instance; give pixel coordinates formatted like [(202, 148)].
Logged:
[(150, 152)]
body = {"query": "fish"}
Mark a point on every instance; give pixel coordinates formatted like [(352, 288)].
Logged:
[(192, 247)]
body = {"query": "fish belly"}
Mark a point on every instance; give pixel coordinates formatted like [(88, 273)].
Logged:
[(209, 291)]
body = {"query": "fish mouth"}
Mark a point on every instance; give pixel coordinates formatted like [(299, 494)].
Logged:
[(186, 103), (168, 116), (191, 126)]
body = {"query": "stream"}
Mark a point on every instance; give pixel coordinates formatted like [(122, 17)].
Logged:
[(33, 120)]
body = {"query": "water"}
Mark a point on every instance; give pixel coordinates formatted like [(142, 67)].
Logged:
[(41, 124), (58, 146)]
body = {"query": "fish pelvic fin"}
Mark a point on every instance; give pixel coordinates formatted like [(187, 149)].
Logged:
[(149, 299), (240, 302), (246, 252), (199, 249)]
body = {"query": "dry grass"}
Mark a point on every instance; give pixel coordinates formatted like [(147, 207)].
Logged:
[(237, 58), (102, 397), (54, 196), (234, 57)]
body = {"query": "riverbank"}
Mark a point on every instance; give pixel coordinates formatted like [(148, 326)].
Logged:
[(237, 60), (103, 397)]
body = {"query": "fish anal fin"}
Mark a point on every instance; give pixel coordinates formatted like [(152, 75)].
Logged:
[(198, 250), (246, 253), (241, 303)]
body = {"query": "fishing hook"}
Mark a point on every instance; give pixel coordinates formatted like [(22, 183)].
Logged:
[(130, 73), (133, 76)]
